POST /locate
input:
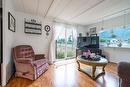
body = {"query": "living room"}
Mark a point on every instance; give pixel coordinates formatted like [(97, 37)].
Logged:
[(58, 23)]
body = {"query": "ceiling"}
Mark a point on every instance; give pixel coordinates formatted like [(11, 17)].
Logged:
[(73, 11)]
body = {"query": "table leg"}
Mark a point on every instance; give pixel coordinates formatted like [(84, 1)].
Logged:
[(78, 65), (93, 72), (103, 69)]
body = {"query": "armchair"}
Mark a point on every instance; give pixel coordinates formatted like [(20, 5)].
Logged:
[(28, 65), (124, 74)]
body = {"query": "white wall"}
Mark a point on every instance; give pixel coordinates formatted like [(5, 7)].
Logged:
[(81, 29), (114, 54), (8, 38)]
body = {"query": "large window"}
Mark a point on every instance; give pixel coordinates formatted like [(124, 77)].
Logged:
[(115, 37), (66, 43)]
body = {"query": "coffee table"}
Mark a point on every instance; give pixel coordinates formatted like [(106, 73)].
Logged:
[(101, 63)]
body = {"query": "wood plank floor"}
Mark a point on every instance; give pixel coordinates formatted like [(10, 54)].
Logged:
[(68, 76)]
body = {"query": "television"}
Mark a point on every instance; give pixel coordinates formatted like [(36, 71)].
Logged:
[(88, 42)]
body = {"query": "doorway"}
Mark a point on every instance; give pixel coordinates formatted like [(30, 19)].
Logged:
[(66, 44)]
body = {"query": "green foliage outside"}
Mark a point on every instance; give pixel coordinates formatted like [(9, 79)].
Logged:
[(61, 47), (70, 40), (61, 41), (129, 40), (70, 53), (112, 34), (60, 54), (103, 40)]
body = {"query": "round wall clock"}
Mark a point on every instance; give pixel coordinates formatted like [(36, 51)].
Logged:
[(47, 29)]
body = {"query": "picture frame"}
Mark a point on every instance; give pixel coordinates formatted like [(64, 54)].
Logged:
[(11, 22), (32, 27), (93, 30)]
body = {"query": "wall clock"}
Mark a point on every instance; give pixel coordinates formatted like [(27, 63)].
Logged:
[(47, 29)]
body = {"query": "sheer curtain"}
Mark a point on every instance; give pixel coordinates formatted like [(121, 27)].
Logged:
[(57, 28)]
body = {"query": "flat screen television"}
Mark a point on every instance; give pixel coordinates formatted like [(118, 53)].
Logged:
[(88, 42)]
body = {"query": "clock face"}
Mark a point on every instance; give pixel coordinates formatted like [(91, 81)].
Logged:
[(47, 28)]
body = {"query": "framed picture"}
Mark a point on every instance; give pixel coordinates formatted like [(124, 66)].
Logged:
[(32, 27), (93, 30), (11, 22)]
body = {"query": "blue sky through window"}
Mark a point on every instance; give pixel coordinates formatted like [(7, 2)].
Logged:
[(115, 37)]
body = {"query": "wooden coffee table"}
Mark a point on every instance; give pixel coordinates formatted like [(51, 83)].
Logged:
[(101, 63)]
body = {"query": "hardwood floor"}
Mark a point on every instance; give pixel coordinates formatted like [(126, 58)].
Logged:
[(68, 76)]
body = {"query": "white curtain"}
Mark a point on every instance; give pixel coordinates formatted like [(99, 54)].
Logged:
[(57, 28)]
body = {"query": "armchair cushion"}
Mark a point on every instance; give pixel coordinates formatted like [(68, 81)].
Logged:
[(24, 51)]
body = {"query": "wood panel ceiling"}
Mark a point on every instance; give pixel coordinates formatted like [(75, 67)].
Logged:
[(73, 11)]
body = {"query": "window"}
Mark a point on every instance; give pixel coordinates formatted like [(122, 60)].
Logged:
[(66, 43), (115, 37)]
